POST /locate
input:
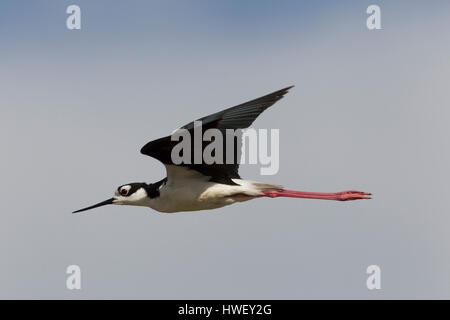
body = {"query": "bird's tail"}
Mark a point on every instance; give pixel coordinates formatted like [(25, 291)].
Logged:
[(265, 187)]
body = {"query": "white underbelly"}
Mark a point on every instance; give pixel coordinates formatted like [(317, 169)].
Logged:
[(203, 195)]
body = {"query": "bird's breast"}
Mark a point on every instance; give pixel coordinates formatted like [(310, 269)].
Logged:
[(192, 196)]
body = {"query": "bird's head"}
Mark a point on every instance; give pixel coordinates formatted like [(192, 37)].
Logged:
[(132, 194)]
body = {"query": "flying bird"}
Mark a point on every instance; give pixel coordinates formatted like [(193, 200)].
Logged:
[(191, 186)]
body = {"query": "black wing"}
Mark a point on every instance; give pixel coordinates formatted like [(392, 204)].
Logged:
[(237, 117)]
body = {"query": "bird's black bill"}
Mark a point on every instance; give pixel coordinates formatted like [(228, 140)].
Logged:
[(103, 203)]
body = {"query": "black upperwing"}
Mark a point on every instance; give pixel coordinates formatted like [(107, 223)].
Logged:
[(237, 117)]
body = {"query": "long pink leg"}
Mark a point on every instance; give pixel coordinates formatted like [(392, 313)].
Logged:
[(339, 196)]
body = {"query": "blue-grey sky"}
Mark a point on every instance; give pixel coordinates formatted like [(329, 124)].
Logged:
[(369, 112)]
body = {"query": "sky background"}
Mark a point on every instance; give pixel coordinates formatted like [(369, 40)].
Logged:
[(369, 111)]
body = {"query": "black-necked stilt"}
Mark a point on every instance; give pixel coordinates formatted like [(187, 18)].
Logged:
[(201, 186)]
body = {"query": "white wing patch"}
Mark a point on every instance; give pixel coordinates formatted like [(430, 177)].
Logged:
[(177, 174)]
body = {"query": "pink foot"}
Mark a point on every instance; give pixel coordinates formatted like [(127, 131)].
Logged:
[(352, 195)]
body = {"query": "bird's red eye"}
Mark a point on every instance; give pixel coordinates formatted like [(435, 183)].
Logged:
[(124, 192)]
